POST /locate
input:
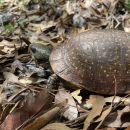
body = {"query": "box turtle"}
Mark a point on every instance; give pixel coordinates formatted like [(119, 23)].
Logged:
[(97, 60)]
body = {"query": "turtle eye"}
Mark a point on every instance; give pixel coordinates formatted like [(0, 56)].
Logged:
[(33, 49)]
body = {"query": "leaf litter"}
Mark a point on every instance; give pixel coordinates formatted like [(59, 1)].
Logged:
[(26, 101)]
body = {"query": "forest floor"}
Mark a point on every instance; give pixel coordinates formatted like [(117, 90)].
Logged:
[(27, 102)]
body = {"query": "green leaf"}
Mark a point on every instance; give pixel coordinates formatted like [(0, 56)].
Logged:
[(9, 28), (128, 4)]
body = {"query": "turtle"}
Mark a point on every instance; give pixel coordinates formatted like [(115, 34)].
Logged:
[(96, 60)]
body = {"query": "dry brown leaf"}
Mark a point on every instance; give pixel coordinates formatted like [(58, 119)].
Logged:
[(86, 3), (15, 119), (56, 126), (76, 96), (107, 128), (71, 111), (9, 47), (13, 101), (98, 102), (10, 77), (70, 7), (126, 23), (117, 99), (42, 101), (113, 99), (42, 120), (103, 116), (120, 118), (42, 26), (32, 106), (128, 128), (6, 111), (1, 110), (26, 80)]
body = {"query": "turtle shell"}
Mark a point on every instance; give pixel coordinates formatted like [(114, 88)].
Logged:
[(97, 60)]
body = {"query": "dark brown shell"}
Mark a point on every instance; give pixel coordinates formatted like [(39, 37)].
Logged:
[(98, 61)]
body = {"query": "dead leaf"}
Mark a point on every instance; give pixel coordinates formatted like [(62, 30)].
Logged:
[(70, 7), (42, 27), (76, 96), (10, 77), (118, 119), (98, 102), (32, 106), (15, 119), (107, 128), (71, 111), (117, 99), (86, 3), (128, 128), (56, 126), (42, 120), (104, 116)]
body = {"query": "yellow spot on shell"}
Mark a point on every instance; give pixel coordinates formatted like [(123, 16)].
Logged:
[(107, 75), (105, 71), (114, 70)]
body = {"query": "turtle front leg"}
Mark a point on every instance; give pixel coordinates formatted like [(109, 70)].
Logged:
[(52, 81)]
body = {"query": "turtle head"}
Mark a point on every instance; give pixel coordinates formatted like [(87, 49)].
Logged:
[(40, 52)]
